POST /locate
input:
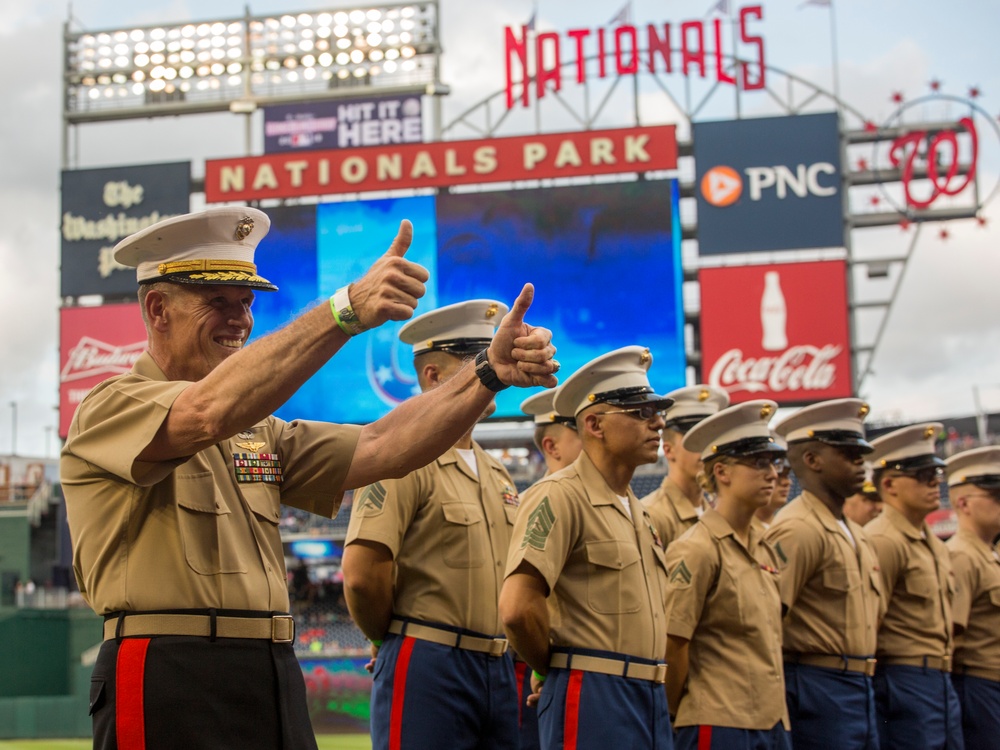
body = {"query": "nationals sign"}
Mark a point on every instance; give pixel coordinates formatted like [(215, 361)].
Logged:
[(776, 331), (441, 164), (94, 344)]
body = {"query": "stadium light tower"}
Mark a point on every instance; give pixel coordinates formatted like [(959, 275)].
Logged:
[(243, 63)]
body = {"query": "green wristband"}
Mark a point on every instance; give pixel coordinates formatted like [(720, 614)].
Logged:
[(539, 677), (343, 313), (377, 642)]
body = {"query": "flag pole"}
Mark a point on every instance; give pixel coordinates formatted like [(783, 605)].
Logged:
[(833, 54)]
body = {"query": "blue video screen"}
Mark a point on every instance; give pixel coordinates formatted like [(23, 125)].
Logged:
[(604, 259)]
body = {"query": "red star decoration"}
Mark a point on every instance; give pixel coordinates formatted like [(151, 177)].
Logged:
[(875, 200), (862, 164), (904, 224), (944, 234), (897, 97), (981, 221), (871, 127), (974, 92), (935, 85)]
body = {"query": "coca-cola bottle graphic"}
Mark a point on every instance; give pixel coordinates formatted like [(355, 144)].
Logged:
[(773, 314)]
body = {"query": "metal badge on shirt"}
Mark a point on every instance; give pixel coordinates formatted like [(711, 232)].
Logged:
[(255, 466)]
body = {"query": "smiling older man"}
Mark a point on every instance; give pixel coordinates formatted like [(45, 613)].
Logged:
[(175, 472)]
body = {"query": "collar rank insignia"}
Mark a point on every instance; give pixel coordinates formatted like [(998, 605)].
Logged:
[(257, 467), (251, 446), (510, 496)]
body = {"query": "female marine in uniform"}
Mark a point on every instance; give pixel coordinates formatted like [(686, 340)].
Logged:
[(725, 682)]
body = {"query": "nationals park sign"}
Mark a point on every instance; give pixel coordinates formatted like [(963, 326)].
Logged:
[(441, 164)]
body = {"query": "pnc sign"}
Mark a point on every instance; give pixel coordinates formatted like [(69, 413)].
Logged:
[(768, 184)]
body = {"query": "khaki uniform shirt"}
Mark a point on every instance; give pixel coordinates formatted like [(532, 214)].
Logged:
[(605, 570), (671, 511), (185, 534), (976, 606), (723, 597), (917, 580), (448, 533), (831, 589)]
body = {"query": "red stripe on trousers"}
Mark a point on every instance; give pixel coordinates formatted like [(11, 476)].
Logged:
[(520, 670), (398, 693), (704, 738), (572, 726), (130, 670)]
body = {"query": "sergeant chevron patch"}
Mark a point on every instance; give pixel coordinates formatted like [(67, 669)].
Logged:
[(540, 524)]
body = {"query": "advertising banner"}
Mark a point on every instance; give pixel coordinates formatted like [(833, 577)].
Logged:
[(94, 344), (344, 123), (101, 207), (776, 331), (769, 183), (441, 164)]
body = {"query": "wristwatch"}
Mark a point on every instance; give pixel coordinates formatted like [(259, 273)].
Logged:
[(487, 375)]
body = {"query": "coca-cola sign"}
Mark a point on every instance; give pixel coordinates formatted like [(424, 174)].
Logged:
[(777, 332), (95, 344)]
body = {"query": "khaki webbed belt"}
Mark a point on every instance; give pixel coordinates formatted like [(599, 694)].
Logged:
[(491, 646), (942, 663), (616, 667), (277, 628), (982, 673), (859, 664)]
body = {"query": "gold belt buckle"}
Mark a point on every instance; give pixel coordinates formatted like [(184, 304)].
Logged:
[(660, 676), (276, 629), (498, 647)]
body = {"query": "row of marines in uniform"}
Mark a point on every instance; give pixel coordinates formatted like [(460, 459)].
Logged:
[(672, 621), (174, 474)]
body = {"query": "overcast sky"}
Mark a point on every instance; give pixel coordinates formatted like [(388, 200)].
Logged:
[(943, 337)]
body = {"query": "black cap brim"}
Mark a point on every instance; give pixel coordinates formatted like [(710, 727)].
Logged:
[(916, 463), (751, 446)]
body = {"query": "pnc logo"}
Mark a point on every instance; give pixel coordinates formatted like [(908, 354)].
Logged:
[(722, 186)]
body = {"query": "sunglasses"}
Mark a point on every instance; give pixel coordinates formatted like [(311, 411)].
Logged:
[(644, 413), (763, 463), (925, 476)]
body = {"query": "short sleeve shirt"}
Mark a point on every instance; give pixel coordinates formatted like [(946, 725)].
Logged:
[(605, 570), (831, 589), (188, 534), (723, 597), (448, 532), (671, 511), (976, 606), (918, 583)]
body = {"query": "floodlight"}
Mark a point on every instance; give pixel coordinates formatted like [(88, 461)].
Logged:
[(110, 74)]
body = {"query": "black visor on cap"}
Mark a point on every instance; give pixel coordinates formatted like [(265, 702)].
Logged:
[(844, 438), (915, 463), (460, 347), (750, 446), (683, 424), (984, 481), (633, 396)]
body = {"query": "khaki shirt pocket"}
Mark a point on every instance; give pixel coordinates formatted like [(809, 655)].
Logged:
[(612, 577), (264, 500), (461, 546), (511, 513), (876, 581), (840, 579), (921, 585), (206, 526)]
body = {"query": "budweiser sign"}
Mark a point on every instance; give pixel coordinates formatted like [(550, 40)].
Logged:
[(91, 357), (777, 332), (95, 344)]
